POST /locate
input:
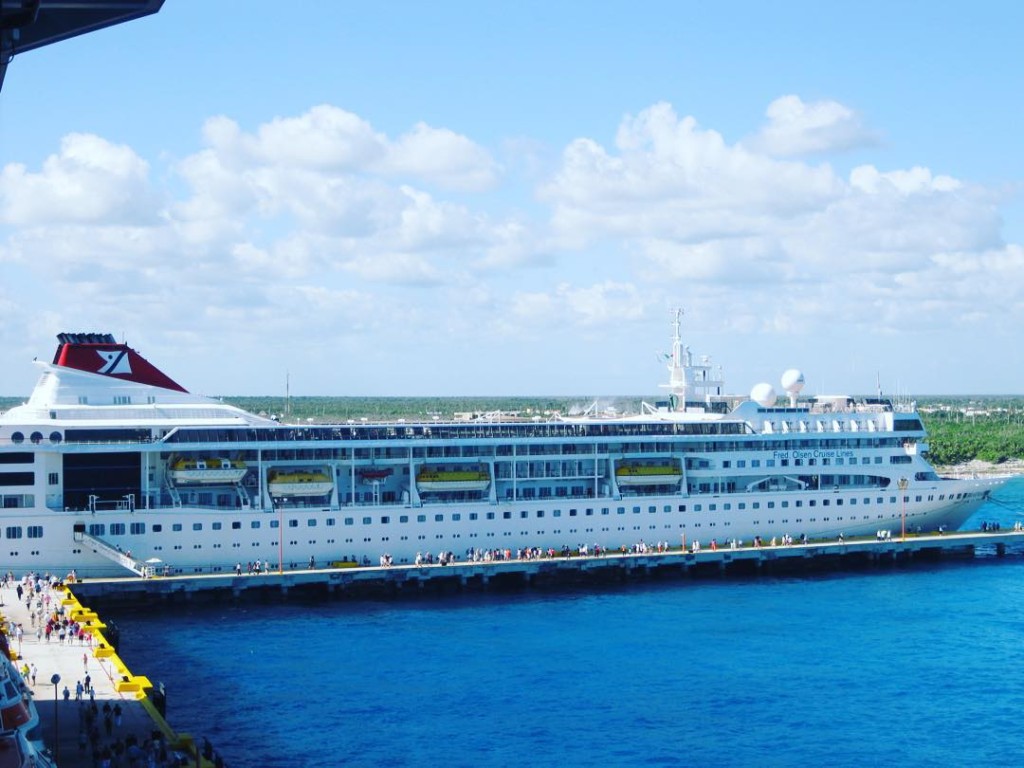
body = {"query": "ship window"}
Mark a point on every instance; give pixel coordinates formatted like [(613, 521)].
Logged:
[(506, 515), (254, 524), (771, 505), (917, 498), (682, 507), (419, 519), (37, 437), (157, 528), (17, 438), (330, 521), (456, 516), (366, 521), (35, 531), (137, 529), (13, 532), (755, 505), (195, 526), (55, 437), (712, 507), (176, 527), (652, 510), (490, 515), (473, 516), (350, 521), (53, 478), (755, 462), (275, 524), (697, 507), (97, 529), (236, 525), (523, 514), (438, 518), (742, 505), (216, 526), (636, 510), (17, 478)]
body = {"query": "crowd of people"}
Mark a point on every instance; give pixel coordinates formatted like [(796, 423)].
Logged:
[(102, 733)]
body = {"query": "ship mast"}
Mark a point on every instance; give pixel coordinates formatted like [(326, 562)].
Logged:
[(700, 381), (677, 364)]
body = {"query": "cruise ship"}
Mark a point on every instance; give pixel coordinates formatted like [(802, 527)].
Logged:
[(112, 467)]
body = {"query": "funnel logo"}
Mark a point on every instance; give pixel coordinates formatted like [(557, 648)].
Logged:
[(115, 361)]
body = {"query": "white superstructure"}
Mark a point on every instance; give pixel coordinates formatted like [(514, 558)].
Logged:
[(112, 462)]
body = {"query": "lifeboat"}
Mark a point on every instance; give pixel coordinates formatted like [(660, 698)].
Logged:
[(432, 479), (374, 474), (647, 474), (299, 483), (209, 471)]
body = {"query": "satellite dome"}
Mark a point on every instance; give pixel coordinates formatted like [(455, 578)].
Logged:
[(763, 394), (793, 380)]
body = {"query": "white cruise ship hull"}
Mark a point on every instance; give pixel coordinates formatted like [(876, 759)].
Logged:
[(88, 476)]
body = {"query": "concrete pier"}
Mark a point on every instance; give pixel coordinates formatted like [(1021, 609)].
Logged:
[(64, 725), (408, 580)]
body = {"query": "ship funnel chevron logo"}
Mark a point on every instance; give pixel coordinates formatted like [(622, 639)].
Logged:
[(115, 361)]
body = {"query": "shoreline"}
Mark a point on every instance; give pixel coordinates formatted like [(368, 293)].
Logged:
[(979, 467)]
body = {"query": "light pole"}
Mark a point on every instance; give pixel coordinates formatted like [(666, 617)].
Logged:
[(55, 679), (902, 485)]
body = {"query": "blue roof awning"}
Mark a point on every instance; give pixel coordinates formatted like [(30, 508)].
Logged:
[(29, 24)]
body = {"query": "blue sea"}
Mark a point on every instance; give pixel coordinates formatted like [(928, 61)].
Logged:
[(919, 665)]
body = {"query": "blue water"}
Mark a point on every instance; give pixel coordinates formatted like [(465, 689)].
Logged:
[(918, 665)]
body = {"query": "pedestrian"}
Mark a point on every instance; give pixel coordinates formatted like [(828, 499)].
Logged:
[(34, 670), (88, 683), (117, 714), (85, 661), (78, 690), (67, 693)]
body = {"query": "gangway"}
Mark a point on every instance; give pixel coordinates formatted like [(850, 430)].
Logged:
[(111, 552)]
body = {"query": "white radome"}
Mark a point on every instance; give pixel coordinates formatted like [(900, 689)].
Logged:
[(793, 380), (763, 394)]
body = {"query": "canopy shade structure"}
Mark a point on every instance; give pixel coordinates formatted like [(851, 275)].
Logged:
[(29, 24)]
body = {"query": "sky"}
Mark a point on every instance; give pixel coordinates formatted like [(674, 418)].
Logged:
[(454, 198)]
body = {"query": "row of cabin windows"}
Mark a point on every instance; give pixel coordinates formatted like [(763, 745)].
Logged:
[(118, 529), (136, 529)]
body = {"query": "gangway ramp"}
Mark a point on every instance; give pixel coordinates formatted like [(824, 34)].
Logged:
[(112, 552)]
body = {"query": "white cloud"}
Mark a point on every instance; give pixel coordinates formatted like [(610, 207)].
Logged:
[(89, 181), (796, 127), (321, 221)]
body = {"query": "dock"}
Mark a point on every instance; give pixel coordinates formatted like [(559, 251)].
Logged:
[(353, 581), (57, 666)]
